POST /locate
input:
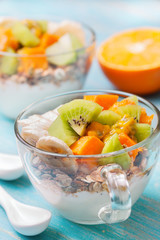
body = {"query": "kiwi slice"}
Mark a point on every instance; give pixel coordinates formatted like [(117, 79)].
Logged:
[(61, 129), (143, 130), (43, 25), (108, 117), (76, 44), (79, 114), (24, 35), (113, 144), (132, 110), (9, 63), (66, 45), (62, 53), (133, 98)]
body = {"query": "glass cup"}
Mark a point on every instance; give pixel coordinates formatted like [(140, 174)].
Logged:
[(87, 193), (28, 78)]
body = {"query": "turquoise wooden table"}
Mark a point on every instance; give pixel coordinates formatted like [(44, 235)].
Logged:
[(106, 17)]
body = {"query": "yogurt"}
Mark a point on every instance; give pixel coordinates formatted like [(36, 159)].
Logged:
[(83, 207), (14, 97)]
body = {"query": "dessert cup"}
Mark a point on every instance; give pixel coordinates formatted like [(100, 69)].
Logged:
[(103, 194), (21, 88)]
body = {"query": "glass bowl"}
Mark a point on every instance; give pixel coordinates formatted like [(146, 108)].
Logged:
[(21, 87), (91, 195)]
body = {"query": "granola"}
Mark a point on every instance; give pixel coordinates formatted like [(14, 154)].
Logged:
[(80, 180)]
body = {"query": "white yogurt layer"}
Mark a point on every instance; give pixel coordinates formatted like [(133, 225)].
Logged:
[(15, 97), (83, 207)]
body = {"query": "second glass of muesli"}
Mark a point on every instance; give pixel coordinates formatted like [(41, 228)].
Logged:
[(39, 58), (90, 153)]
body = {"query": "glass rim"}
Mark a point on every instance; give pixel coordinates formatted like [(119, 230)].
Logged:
[(95, 156), (84, 25)]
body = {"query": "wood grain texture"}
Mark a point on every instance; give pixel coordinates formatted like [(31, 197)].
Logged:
[(106, 17), (144, 223)]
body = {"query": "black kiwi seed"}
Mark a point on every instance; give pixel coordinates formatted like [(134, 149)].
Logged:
[(87, 124)]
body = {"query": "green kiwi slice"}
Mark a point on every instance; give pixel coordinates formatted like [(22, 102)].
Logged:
[(112, 145), (63, 131), (67, 44), (132, 110), (76, 44), (79, 114), (133, 98), (143, 130), (43, 25), (24, 35), (108, 117), (9, 63)]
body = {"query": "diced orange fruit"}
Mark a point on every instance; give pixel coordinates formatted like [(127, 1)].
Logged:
[(144, 118), (12, 42), (97, 129), (3, 42), (31, 61), (131, 60), (87, 145), (48, 39), (106, 100), (7, 40), (37, 32), (126, 141)]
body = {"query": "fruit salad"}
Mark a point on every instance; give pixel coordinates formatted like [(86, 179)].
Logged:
[(40, 58), (83, 136)]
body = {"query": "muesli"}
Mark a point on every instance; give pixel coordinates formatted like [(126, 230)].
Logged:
[(40, 58), (97, 124)]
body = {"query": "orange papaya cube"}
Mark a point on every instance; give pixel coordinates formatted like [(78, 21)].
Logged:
[(144, 118), (87, 145), (7, 40), (30, 61), (126, 141), (106, 100), (48, 39)]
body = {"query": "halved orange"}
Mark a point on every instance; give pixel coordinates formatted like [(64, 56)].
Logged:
[(131, 60)]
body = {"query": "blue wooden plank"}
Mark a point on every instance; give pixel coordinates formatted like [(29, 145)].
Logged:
[(143, 224)]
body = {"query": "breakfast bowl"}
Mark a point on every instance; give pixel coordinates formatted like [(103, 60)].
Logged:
[(39, 58), (90, 176), (130, 60)]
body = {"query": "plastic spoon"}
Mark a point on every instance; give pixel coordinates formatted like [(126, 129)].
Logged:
[(25, 219), (11, 167)]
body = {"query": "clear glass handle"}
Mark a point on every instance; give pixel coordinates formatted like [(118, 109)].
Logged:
[(120, 207)]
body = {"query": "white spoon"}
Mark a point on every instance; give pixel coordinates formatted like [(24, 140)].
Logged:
[(25, 219), (11, 167)]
